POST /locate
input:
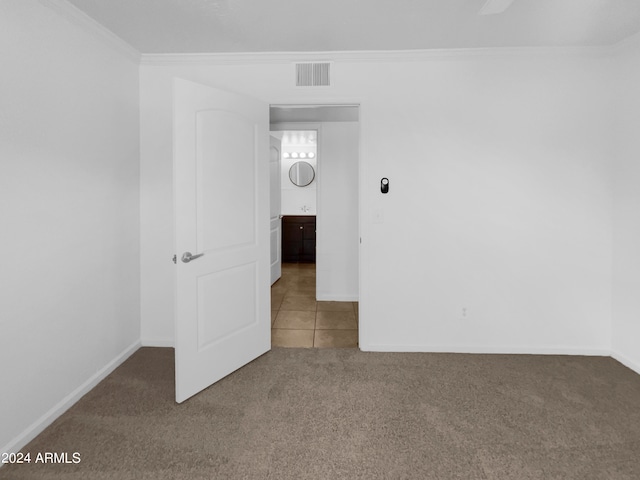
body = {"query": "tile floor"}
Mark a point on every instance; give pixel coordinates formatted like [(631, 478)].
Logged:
[(298, 320)]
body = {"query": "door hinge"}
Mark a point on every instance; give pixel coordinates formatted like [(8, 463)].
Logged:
[(175, 259)]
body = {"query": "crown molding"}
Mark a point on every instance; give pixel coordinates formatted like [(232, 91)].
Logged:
[(166, 59), (78, 17), (91, 26)]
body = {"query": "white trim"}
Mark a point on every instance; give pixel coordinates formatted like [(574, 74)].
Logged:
[(80, 18), (94, 28), (161, 59), (363, 320), (328, 297), (626, 361), (158, 342), (504, 350), (283, 126), (37, 427)]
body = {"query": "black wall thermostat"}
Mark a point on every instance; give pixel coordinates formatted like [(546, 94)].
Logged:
[(384, 185)]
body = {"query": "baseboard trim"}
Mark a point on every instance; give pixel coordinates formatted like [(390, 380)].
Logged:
[(37, 427), (504, 350), (626, 361), (321, 297), (158, 342)]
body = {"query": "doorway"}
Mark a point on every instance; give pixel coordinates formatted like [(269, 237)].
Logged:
[(315, 303), (221, 160)]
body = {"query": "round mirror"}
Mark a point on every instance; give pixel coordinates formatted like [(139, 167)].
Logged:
[(301, 174)]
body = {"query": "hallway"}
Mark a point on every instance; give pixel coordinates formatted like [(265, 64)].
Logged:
[(298, 320)]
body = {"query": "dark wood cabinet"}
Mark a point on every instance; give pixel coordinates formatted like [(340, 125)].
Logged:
[(299, 239)]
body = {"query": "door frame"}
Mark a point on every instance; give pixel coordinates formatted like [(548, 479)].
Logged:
[(303, 126), (278, 221), (363, 314)]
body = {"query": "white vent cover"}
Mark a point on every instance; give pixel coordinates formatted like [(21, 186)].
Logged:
[(312, 74)]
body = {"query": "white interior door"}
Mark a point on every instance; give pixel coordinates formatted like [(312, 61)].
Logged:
[(276, 222), (221, 175)]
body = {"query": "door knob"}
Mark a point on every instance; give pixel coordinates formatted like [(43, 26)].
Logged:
[(187, 257)]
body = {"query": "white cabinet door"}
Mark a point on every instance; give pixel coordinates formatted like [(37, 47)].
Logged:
[(276, 222)]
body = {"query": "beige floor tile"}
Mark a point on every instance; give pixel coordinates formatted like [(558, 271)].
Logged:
[(305, 303), (335, 339), (296, 277), (291, 338), (279, 288), (276, 300), (301, 290), (336, 321), (299, 266), (335, 306), (295, 320), (301, 283), (293, 324)]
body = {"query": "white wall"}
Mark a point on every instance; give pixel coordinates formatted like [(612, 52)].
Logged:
[(626, 231), (500, 197), (337, 222), (157, 288), (297, 200), (69, 175), (499, 204)]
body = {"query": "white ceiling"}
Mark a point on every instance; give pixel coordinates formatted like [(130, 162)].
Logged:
[(214, 26)]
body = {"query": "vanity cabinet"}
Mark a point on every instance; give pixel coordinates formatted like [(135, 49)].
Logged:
[(299, 239)]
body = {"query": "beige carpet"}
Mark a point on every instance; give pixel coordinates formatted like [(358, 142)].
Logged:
[(345, 414)]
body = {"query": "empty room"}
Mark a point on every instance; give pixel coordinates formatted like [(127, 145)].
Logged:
[(462, 301)]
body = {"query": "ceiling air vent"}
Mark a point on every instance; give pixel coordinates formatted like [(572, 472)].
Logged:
[(312, 75)]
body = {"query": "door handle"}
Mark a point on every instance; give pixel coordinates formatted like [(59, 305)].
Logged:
[(187, 257)]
